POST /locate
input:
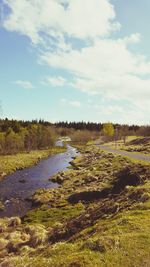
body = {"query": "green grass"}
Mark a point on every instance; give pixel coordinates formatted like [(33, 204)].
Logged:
[(61, 255), (52, 216), (122, 241), (11, 163)]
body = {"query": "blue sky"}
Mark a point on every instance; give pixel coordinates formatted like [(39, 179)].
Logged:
[(75, 60)]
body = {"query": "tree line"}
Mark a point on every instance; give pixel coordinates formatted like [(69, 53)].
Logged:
[(120, 129), (19, 135), (91, 126), (15, 138)]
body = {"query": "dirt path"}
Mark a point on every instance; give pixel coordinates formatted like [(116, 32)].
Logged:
[(125, 153)]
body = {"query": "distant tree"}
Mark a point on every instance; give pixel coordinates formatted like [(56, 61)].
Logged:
[(108, 129)]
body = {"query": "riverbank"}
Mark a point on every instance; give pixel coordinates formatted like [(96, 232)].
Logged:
[(18, 187), (11, 163), (99, 216)]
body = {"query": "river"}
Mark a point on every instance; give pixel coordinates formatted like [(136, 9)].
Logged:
[(22, 184)]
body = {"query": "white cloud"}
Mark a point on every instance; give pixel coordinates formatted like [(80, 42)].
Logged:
[(54, 81), (24, 84), (107, 68), (81, 19)]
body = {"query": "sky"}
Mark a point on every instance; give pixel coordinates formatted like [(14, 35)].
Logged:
[(75, 60)]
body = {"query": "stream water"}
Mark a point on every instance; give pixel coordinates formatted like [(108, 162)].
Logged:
[(17, 187)]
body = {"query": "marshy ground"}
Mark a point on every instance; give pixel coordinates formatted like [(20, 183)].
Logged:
[(98, 216)]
